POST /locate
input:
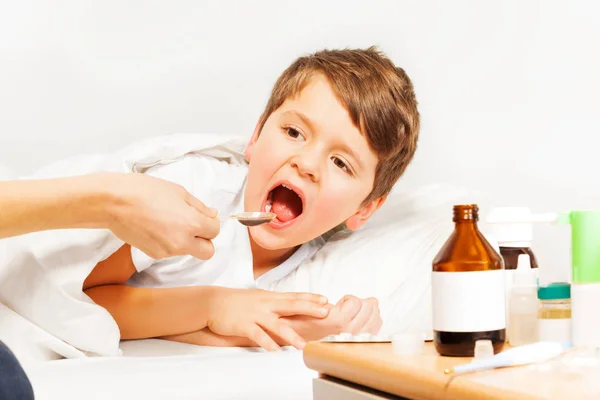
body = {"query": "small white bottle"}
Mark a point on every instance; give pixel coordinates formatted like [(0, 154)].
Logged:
[(523, 304), (512, 229)]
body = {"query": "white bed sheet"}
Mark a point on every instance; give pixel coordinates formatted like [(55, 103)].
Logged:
[(157, 369)]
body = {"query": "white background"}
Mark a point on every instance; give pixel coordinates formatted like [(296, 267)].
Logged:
[(508, 90)]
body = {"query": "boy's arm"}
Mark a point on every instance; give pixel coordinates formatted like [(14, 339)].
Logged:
[(309, 329), (145, 312), (351, 314), (156, 312), (206, 337)]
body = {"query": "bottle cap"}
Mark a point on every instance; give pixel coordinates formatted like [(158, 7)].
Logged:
[(511, 226), (585, 244), (555, 291)]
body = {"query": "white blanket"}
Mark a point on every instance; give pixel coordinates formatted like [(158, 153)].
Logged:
[(41, 274), (196, 373)]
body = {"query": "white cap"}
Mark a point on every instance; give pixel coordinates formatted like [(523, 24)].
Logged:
[(524, 275), (408, 343), (511, 226)]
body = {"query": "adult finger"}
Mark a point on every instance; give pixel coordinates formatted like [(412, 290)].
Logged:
[(261, 338), (200, 248), (200, 206), (204, 227), (285, 308), (285, 332)]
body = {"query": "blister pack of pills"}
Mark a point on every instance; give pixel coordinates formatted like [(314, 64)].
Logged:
[(346, 337)]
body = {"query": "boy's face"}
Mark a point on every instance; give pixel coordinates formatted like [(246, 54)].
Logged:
[(312, 167)]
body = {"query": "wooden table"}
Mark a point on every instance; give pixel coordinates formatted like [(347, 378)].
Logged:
[(421, 377)]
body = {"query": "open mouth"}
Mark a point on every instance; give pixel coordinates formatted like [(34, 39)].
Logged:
[(285, 202)]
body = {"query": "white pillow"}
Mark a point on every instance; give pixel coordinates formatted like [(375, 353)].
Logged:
[(388, 258), (6, 173)]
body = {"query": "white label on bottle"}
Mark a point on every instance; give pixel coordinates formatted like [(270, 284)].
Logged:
[(555, 330), (468, 301)]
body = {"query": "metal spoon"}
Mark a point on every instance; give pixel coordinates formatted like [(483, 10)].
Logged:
[(253, 218)]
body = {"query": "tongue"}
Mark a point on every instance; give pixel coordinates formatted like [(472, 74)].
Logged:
[(286, 204)]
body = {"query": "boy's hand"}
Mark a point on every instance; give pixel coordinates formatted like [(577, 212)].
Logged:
[(366, 320), (350, 314), (255, 314)]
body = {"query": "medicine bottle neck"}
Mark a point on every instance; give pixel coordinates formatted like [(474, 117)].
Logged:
[(466, 217)]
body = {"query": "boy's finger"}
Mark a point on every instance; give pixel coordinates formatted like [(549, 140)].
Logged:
[(286, 333), (261, 338), (285, 308), (373, 325), (315, 298), (374, 301), (358, 323), (350, 307)]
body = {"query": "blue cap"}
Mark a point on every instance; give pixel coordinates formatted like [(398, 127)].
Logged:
[(555, 291)]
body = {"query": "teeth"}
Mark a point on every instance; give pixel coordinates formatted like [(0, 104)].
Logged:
[(288, 188), (269, 203)]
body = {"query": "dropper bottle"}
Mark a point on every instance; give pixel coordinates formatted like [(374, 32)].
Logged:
[(523, 304)]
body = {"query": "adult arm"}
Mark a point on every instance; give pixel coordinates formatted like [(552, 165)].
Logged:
[(157, 216)]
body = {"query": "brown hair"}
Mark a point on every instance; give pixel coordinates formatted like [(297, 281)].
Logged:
[(378, 96)]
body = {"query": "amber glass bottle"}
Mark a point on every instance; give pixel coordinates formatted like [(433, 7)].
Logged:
[(467, 289)]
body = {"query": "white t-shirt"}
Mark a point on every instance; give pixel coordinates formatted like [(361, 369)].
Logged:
[(220, 185)]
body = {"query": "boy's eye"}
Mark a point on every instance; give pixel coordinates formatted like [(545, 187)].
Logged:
[(292, 132), (341, 164)]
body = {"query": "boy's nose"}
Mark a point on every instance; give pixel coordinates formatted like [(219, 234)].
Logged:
[(307, 166)]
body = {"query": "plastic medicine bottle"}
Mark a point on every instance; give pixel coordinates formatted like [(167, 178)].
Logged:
[(554, 315), (467, 288), (523, 305), (512, 228)]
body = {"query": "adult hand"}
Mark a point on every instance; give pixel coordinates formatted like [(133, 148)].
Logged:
[(255, 314), (159, 217)]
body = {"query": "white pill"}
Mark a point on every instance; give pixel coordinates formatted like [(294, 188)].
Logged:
[(483, 349), (408, 343)]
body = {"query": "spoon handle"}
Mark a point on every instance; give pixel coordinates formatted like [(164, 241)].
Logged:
[(225, 218)]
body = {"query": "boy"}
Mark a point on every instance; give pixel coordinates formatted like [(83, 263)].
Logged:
[(338, 131)]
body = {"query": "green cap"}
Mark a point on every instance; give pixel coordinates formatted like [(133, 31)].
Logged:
[(555, 291), (585, 244)]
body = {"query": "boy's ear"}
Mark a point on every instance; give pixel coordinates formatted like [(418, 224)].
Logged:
[(363, 215), (252, 142)]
